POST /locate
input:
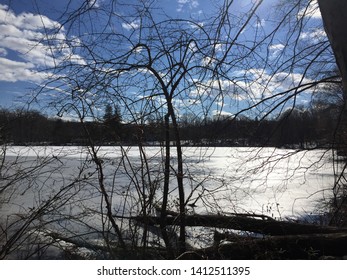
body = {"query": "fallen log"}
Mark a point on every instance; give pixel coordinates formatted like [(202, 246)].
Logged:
[(306, 246), (112, 251), (244, 223)]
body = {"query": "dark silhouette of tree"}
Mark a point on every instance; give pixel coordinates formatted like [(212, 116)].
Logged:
[(333, 17), (112, 121), (157, 69)]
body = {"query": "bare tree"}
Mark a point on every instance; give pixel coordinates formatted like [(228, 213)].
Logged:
[(149, 70), (155, 67)]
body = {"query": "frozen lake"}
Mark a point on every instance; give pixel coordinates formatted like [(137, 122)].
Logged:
[(278, 182)]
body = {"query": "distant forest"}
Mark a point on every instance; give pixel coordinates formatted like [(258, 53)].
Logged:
[(293, 128)]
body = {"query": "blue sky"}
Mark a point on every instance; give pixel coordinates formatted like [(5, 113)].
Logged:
[(23, 55)]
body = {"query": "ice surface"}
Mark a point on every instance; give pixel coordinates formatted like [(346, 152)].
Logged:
[(276, 182), (280, 183)]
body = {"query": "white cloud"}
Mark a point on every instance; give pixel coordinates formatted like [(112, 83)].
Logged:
[(261, 84), (220, 115), (132, 25), (315, 35), (13, 71), (23, 43), (192, 4), (3, 52), (29, 50), (28, 20), (138, 49), (260, 23), (276, 49), (312, 11), (196, 24), (94, 3), (251, 86), (208, 61)]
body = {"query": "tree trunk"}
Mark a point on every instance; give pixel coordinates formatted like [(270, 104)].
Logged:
[(163, 209), (306, 246), (265, 226), (180, 186), (334, 19), (281, 240)]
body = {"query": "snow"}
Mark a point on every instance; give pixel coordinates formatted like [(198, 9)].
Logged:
[(280, 183)]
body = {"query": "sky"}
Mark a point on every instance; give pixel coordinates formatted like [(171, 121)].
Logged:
[(23, 54)]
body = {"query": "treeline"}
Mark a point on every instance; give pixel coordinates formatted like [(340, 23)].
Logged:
[(299, 128), (293, 128)]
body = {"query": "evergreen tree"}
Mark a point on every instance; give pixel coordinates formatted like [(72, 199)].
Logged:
[(112, 122)]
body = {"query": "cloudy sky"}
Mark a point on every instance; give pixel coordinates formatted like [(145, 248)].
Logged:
[(26, 59), (23, 53)]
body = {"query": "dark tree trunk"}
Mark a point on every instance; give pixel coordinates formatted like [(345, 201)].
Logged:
[(266, 226)]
